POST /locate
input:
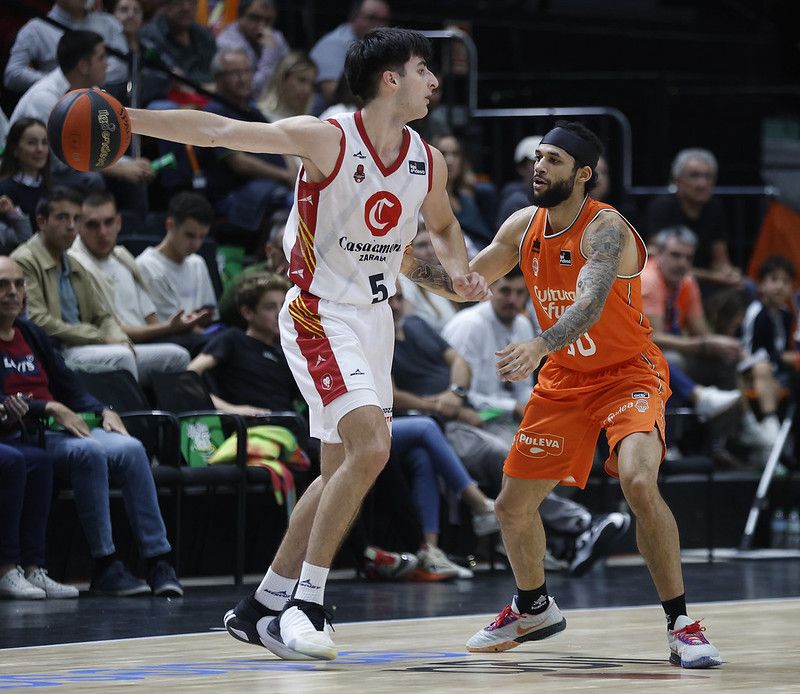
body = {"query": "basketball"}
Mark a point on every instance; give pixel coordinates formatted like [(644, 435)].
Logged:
[(88, 129)]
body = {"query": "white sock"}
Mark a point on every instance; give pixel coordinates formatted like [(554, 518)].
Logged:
[(311, 586), (275, 590)]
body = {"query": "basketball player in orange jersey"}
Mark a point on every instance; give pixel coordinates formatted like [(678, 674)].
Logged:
[(582, 260), (365, 178)]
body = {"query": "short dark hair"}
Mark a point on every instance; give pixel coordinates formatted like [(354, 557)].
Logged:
[(98, 198), (187, 205), (59, 194), (513, 273), (584, 133), (382, 49), (253, 288), (74, 46), (776, 263)]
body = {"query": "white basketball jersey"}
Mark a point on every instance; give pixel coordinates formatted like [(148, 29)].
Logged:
[(345, 236)]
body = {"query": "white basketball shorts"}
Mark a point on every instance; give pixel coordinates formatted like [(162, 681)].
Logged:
[(340, 356)]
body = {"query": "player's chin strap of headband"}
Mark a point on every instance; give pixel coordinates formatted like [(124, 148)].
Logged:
[(584, 152)]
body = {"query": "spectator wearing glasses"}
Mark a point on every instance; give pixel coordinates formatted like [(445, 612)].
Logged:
[(254, 33), (85, 456)]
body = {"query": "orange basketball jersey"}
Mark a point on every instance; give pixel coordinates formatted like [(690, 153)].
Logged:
[(551, 263)]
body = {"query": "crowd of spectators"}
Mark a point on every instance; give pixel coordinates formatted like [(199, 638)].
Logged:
[(107, 271)]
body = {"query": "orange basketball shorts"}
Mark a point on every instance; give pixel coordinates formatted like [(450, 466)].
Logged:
[(558, 434)]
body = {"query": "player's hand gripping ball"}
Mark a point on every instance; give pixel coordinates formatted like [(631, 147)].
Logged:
[(89, 129)]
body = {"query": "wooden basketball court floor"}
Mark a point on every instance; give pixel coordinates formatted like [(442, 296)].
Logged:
[(602, 650)]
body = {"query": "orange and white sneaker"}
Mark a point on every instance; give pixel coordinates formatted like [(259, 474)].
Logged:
[(688, 647), (511, 628)]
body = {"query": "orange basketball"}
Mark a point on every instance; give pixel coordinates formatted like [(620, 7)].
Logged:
[(89, 129)]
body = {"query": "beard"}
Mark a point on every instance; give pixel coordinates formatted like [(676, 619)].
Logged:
[(555, 195)]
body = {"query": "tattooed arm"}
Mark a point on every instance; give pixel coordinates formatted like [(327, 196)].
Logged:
[(603, 244), (493, 262), (434, 278)]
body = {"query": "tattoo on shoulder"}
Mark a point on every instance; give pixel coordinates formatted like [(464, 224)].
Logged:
[(433, 277), (604, 244)]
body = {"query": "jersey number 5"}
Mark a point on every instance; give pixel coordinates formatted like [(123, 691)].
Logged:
[(379, 290)]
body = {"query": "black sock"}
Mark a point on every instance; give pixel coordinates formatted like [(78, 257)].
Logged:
[(152, 561), (532, 601), (102, 563), (673, 609)]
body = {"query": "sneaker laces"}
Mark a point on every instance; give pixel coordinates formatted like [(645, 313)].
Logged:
[(691, 634), (507, 614)]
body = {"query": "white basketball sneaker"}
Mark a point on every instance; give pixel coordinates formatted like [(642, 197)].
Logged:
[(301, 632), (511, 628), (688, 647)]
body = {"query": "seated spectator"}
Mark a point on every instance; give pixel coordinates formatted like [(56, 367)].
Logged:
[(671, 301), (82, 455), (130, 15), (254, 33), (176, 276), (33, 55), (246, 188), (767, 331), (273, 261), (25, 167), (464, 192), (26, 489), (420, 448), (432, 308), (181, 43), (693, 205), (152, 83), (477, 333), (24, 175), (517, 194), (123, 286), (251, 375), (432, 377), (290, 91), (65, 300), (81, 64), (329, 52)]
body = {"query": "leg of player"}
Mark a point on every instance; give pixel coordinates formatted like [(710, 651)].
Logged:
[(657, 537), (248, 621), (304, 626), (532, 614)]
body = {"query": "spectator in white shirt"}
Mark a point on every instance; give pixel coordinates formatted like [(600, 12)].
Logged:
[(476, 333), (176, 276), (123, 285), (33, 54)]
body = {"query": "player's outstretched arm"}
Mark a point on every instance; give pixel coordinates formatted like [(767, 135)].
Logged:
[(603, 242), (502, 254), (301, 135)]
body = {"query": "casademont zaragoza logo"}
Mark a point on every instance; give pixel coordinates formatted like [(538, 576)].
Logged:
[(535, 445)]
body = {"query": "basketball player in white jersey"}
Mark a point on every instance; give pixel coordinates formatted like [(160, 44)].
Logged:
[(365, 178)]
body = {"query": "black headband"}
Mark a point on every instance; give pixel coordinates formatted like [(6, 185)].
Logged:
[(585, 152)]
